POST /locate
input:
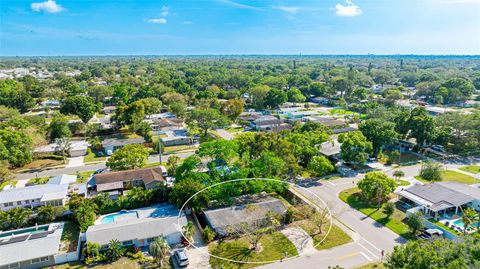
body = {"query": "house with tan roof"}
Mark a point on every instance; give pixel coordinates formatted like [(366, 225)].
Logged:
[(115, 183)]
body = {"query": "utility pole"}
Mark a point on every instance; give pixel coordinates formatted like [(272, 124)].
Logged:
[(159, 148)]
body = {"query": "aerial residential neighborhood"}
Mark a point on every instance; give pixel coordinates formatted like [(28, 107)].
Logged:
[(237, 134)]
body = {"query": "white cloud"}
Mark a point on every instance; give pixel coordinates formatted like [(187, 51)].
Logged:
[(348, 10), (288, 9), (188, 22), (158, 20), (238, 5), (49, 6), (164, 11)]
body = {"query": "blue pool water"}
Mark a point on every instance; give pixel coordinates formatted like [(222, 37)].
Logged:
[(459, 222), (111, 218)]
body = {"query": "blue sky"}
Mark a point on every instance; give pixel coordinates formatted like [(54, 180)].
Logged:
[(121, 27)]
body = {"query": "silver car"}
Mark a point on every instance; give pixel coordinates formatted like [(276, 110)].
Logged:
[(181, 257)]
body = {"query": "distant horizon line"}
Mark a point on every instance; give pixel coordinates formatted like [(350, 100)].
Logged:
[(238, 54)]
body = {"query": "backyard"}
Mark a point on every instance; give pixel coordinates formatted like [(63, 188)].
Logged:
[(394, 222), (272, 247), (449, 175), (70, 235)]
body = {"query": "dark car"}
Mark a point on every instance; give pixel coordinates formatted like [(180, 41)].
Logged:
[(181, 257)]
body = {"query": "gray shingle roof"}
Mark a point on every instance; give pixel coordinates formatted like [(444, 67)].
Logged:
[(443, 195), (237, 214), (330, 148), (33, 192)]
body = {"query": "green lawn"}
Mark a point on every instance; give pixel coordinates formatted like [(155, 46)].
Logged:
[(37, 181), (336, 237), (401, 182), (450, 175), (122, 263), (474, 169), (272, 247), (90, 157), (234, 129), (394, 223), (70, 235), (171, 149), (82, 177), (155, 163)]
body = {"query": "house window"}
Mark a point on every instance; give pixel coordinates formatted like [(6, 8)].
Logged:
[(27, 202), (38, 260), (8, 204), (150, 240), (14, 265), (19, 202), (127, 243)]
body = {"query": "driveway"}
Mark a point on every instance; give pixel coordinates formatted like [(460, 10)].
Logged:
[(224, 134)]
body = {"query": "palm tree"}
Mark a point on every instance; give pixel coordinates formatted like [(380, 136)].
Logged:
[(63, 145), (114, 251), (91, 250), (159, 249), (397, 174), (46, 213), (469, 216), (188, 231), (19, 216)]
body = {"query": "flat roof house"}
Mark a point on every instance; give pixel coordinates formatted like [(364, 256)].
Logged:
[(331, 149), (30, 248), (439, 198), (139, 229), (242, 212), (112, 144), (34, 196), (116, 182), (76, 149)]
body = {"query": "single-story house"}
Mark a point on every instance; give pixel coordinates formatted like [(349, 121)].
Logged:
[(331, 149), (246, 209), (30, 248), (250, 115), (63, 179), (159, 125), (51, 104), (76, 149), (441, 198), (176, 140), (266, 120), (108, 109), (346, 129), (116, 182), (111, 144), (320, 100), (34, 196), (139, 229)]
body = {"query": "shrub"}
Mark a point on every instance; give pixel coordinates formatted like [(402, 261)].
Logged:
[(208, 235)]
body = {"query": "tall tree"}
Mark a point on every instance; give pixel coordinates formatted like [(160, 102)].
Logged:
[(206, 119), (380, 132), (82, 106), (355, 147), (159, 249), (129, 157)]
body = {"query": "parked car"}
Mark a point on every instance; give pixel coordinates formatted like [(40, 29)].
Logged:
[(181, 257)]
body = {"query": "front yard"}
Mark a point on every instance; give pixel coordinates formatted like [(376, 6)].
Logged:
[(82, 177), (272, 247), (449, 175), (37, 181), (394, 222), (122, 263), (336, 237), (92, 158), (474, 169)]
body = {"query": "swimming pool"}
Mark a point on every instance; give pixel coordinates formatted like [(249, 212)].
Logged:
[(119, 216), (459, 223)]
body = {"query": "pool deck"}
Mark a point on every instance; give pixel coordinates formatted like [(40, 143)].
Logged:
[(162, 210)]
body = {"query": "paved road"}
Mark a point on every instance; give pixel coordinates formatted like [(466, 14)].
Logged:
[(72, 170)]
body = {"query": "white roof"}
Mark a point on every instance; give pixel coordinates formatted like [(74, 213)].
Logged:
[(133, 229), (63, 179), (34, 192), (31, 248)]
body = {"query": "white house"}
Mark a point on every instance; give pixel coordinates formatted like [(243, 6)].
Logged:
[(34, 196)]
